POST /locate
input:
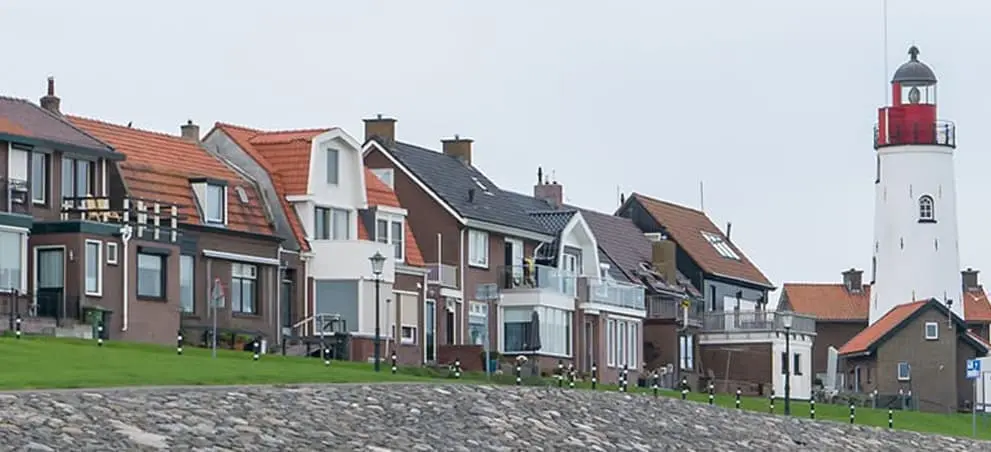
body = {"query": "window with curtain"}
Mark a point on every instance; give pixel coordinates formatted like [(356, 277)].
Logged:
[(186, 289), (478, 248), (77, 178), (94, 267), (151, 275), (555, 330), (244, 288), (10, 260)]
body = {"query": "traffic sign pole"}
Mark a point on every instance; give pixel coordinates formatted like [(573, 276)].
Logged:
[(973, 373)]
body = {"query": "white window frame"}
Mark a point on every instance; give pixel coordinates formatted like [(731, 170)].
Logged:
[(88, 246), (387, 176), (908, 371), (633, 348), (611, 343), (113, 253), (389, 236), (241, 270), (686, 352), (336, 154), (208, 210), (478, 248), (931, 331), (721, 245), (328, 220), (42, 198), (407, 338), (22, 237), (192, 260)]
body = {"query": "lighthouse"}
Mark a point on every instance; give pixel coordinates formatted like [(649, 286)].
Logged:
[(916, 253)]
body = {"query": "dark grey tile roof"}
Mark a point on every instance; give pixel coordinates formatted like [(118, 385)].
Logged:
[(19, 117), (451, 180), (553, 221)]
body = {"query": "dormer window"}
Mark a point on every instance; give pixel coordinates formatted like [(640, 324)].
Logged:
[(216, 204)]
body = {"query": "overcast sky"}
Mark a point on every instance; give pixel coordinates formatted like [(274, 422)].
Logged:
[(770, 103)]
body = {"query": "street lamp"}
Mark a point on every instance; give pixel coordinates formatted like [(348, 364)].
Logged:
[(378, 262), (786, 323)]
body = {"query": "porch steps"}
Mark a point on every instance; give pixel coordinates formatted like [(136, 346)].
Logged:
[(46, 326)]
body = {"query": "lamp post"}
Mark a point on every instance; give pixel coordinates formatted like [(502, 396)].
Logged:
[(786, 323), (378, 261)]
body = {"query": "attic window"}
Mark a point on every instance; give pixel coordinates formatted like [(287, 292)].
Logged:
[(216, 205), (719, 243), (241, 194)]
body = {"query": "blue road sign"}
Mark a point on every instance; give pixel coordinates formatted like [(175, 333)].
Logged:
[(973, 369)]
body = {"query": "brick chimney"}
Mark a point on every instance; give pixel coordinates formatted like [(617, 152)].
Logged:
[(663, 257), (50, 101), (970, 280), (458, 147), (551, 192), (190, 131), (382, 129), (853, 280)]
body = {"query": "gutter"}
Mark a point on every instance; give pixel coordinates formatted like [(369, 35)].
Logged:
[(125, 237)]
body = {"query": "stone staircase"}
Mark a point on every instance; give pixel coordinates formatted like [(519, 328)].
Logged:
[(46, 326)]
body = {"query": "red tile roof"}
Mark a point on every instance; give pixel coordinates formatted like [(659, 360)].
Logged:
[(158, 167), (685, 226), (832, 302), (870, 335), (380, 194), (976, 307)]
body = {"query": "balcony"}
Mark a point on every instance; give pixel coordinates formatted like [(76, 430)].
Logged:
[(443, 274), (938, 133), (755, 321), (537, 285), (148, 219), (618, 294), (667, 308)]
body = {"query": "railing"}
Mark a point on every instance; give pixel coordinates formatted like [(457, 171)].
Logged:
[(939, 133), (149, 219), (667, 308), (616, 293), (755, 321), (517, 277), (16, 195), (53, 304), (443, 274)]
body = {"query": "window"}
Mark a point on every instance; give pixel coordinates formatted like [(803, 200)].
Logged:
[(386, 175), (11, 260), (215, 204), (477, 320), (408, 334), (332, 166), (151, 275), (932, 331), (555, 330), (721, 245), (332, 224), (39, 177), (796, 364), (904, 371), (611, 343), (687, 352), (94, 268), (243, 288), (622, 343), (77, 178), (112, 253), (478, 248), (927, 212), (186, 290), (390, 230)]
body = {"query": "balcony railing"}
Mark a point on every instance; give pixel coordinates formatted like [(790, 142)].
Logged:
[(16, 195), (667, 308), (616, 293), (938, 133), (734, 321), (148, 219), (518, 277), (443, 274)]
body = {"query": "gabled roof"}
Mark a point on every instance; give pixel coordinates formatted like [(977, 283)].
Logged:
[(874, 335), (454, 182), (380, 194), (685, 226), (23, 119), (832, 302), (158, 167)]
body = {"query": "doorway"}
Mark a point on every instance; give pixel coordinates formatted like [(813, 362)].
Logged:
[(287, 301), (49, 268), (450, 325), (589, 345), (430, 325)]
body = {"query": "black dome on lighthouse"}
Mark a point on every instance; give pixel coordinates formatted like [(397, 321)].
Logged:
[(913, 71)]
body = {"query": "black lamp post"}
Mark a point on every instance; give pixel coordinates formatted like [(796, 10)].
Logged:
[(786, 322), (378, 262)]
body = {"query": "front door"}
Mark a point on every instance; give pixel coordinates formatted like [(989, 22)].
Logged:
[(589, 345), (287, 301), (50, 287), (450, 326), (430, 325)]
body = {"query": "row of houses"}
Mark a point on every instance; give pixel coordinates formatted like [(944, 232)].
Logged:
[(144, 231)]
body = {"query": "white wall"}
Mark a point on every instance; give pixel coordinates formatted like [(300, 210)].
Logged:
[(908, 258), (349, 192), (577, 234), (348, 259), (366, 308), (801, 385)]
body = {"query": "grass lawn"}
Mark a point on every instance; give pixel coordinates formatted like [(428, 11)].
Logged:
[(42, 363)]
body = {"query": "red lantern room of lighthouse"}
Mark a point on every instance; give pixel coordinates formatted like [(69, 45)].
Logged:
[(911, 117)]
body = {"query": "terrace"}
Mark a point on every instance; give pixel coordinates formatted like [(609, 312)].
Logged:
[(149, 219)]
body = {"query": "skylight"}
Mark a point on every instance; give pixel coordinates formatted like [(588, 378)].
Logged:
[(241, 194), (722, 247), (479, 183)]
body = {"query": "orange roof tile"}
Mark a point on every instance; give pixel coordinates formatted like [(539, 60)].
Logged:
[(380, 194), (870, 335), (158, 167), (979, 339), (685, 226), (976, 307), (827, 301)]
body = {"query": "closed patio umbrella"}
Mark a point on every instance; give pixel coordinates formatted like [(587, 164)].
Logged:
[(533, 341)]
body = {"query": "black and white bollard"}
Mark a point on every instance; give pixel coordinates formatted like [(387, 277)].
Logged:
[(812, 409), (395, 368), (684, 388), (712, 394), (457, 368), (623, 375), (891, 418), (771, 398), (560, 373), (519, 374), (178, 343), (99, 335), (853, 412), (595, 377), (737, 398), (656, 385), (325, 351), (255, 346), (571, 376), (17, 326)]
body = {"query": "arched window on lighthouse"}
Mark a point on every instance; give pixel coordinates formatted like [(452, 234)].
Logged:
[(927, 211)]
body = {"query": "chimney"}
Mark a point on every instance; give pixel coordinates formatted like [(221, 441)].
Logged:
[(970, 281), (552, 193), (50, 101), (190, 131), (853, 280), (663, 254), (383, 129), (458, 147), (729, 229)]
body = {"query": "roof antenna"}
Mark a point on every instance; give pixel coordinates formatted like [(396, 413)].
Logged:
[(540, 175), (701, 196)]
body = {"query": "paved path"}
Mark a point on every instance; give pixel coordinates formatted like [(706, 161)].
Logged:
[(411, 417)]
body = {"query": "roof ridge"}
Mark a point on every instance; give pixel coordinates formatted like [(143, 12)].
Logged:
[(273, 132), (649, 198), (16, 99), (136, 129)]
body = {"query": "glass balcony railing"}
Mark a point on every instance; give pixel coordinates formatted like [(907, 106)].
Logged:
[(443, 274), (616, 293), (756, 321), (521, 277)]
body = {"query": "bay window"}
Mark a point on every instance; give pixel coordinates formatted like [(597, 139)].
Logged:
[(555, 330)]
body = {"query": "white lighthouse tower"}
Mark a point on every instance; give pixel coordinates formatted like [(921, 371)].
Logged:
[(916, 250)]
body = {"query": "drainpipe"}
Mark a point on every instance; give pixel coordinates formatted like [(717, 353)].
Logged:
[(305, 260), (464, 295), (125, 237)]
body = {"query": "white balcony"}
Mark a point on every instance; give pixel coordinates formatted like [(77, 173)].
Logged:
[(348, 260), (442, 274), (538, 285), (618, 294)]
